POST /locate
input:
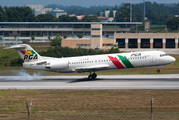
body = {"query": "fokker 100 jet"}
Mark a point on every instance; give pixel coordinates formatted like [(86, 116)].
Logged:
[(91, 63)]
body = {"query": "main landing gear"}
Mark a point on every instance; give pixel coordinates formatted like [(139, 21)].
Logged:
[(92, 76), (158, 71)]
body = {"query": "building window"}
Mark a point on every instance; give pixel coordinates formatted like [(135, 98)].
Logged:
[(83, 45), (107, 44), (95, 36), (95, 29)]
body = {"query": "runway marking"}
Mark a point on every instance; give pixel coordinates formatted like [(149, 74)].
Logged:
[(88, 86)]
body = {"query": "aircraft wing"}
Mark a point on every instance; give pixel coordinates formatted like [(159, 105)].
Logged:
[(91, 68)]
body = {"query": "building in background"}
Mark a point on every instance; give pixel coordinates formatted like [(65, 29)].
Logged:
[(101, 14), (95, 34), (114, 13), (57, 12), (107, 13), (36, 9)]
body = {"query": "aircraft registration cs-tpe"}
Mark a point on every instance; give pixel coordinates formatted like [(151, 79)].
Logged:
[(91, 63)]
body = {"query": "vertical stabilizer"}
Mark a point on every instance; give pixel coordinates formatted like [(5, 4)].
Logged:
[(27, 53)]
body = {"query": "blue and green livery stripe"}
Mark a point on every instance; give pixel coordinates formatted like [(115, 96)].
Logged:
[(125, 61)]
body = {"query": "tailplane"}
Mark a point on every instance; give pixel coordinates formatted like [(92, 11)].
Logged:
[(27, 53)]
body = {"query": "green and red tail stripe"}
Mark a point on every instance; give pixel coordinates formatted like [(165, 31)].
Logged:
[(118, 64)]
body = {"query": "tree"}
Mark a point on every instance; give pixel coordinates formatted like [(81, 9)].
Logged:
[(65, 36), (80, 36), (49, 38), (173, 23), (123, 14), (56, 41), (46, 18), (151, 15), (66, 18), (32, 38), (111, 13), (3, 16)]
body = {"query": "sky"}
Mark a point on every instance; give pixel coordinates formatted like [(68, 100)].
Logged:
[(83, 3)]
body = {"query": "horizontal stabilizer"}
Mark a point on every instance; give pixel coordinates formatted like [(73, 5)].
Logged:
[(16, 47)]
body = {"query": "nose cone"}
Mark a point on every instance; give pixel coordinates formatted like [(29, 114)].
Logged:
[(172, 59)]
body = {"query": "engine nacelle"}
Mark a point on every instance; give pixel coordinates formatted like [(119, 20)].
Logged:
[(57, 64)]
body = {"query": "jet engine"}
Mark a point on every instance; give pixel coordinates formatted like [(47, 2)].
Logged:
[(57, 64)]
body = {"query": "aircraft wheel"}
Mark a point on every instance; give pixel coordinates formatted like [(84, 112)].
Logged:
[(94, 75), (158, 71), (90, 77)]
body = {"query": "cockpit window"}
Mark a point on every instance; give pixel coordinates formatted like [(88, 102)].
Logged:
[(162, 55)]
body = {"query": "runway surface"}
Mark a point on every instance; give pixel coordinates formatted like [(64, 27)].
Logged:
[(160, 81)]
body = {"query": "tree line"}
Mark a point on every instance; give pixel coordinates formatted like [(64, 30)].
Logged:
[(158, 14), (155, 12), (24, 14)]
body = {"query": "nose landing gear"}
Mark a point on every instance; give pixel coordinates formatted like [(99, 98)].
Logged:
[(158, 71), (92, 76)]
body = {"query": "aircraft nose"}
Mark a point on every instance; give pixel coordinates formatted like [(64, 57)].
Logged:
[(172, 59)]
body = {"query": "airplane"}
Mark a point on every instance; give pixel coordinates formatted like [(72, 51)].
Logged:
[(91, 63)]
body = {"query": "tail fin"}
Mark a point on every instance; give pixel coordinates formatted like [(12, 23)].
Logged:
[(26, 52)]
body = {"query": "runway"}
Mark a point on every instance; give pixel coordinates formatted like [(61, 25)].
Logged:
[(158, 81)]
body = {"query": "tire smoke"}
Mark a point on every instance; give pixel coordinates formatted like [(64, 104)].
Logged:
[(22, 76)]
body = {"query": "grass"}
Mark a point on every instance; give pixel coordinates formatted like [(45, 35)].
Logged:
[(88, 101)]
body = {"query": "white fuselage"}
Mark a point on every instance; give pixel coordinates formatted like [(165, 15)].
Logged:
[(102, 62)]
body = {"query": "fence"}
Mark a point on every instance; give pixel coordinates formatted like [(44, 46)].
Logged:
[(66, 104), (110, 116)]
